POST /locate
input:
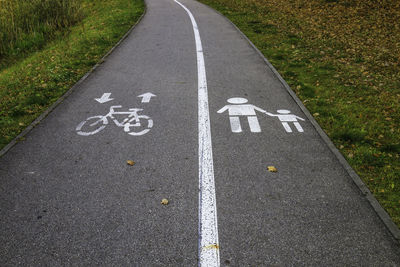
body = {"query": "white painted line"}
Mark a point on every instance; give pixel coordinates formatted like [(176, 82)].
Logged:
[(208, 225)]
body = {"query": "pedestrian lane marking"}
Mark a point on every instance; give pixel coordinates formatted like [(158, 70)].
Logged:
[(239, 108)]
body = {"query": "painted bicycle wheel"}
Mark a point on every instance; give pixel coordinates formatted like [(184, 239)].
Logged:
[(139, 125), (92, 125)]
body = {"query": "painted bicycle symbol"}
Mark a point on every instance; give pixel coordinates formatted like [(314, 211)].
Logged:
[(133, 123)]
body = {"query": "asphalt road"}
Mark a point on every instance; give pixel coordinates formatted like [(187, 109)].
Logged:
[(68, 197)]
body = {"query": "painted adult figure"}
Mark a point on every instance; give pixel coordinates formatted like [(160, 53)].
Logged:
[(238, 108)]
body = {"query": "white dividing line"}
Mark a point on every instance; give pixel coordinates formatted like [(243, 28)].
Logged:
[(208, 225)]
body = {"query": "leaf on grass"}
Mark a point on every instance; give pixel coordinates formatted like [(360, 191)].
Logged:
[(272, 169)]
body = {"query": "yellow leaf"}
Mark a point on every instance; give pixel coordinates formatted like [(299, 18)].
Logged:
[(272, 169), (164, 201), (130, 162)]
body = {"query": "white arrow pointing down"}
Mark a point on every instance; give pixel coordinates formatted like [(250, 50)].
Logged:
[(104, 98)]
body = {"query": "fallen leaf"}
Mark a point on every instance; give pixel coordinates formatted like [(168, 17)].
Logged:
[(212, 246), (164, 201), (272, 169), (130, 162)]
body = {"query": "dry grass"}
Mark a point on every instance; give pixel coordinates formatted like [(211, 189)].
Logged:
[(26, 24), (342, 58)]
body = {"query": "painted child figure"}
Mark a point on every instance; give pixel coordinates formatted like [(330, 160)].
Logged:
[(240, 108), (285, 117)]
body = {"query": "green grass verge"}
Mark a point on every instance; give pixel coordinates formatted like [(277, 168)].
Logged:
[(27, 25), (30, 85), (342, 60)]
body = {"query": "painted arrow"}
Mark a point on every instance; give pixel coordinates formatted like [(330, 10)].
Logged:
[(104, 98), (146, 97)]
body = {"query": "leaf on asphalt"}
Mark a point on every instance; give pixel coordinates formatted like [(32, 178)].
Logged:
[(272, 169), (164, 201), (130, 162)]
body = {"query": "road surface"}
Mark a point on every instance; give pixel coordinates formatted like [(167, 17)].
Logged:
[(213, 117)]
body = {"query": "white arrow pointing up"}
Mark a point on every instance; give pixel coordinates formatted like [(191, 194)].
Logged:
[(104, 98), (146, 97)]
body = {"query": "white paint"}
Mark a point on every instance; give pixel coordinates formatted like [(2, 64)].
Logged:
[(254, 125), (285, 117), (104, 98), (287, 127), (298, 127), (133, 123), (146, 97), (208, 226), (237, 100), (239, 108), (235, 124)]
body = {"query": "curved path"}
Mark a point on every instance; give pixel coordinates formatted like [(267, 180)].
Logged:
[(216, 118)]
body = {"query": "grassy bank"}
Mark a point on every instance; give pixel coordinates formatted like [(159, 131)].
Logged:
[(26, 25), (30, 82), (342, 59)]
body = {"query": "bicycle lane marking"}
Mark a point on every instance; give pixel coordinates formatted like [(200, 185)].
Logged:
[(208, 225), (132, 124)]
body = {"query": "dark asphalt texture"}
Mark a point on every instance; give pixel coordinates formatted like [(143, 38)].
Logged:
[(68, 199)]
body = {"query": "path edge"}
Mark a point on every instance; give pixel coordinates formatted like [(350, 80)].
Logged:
[(380, 211), (33, 124)]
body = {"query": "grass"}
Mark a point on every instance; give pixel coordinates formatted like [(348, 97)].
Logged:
[(342, 59), (26, 25), (32, 80)]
